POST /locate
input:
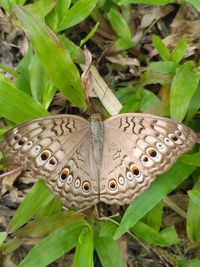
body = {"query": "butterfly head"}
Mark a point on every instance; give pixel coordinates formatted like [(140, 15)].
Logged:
[(96, 117)]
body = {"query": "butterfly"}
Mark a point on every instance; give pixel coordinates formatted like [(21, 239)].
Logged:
[(111, 161)]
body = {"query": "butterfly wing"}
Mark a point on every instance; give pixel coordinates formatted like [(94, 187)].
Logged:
[(58, 150), (137, 147)]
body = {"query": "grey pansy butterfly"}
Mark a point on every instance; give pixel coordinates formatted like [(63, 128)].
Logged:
[(112, 161)]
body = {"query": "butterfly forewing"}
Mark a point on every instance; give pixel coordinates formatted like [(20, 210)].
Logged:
[(56, 149), (137, 147)]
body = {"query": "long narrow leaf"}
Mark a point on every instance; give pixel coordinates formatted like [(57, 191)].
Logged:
[(48, 224), (193, 214), (54, 246), (195, 196), (106, 247), (161, 187), (77, 13), (54, 58), (16, 105), (37, 197), (166, 237), (183, 87), (85, 249)]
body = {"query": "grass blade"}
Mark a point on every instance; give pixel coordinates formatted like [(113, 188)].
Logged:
[(161, 187)]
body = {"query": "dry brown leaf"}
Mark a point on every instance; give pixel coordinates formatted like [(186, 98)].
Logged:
[(86, 76), (151, 14), (183, 28), (124, 61)]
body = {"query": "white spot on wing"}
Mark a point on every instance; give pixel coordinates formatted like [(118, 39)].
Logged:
[(35, 150), (161, 147), (69, 179), (27, 145), (77, 183), (121, 180), (129, 175)]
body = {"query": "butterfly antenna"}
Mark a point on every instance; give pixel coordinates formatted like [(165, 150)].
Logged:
[(16, 171)]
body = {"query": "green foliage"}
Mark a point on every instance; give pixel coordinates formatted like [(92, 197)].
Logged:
[(30, 205), (166, 237), (122, 29), (185, 77), (103, 239), (54, 245), (193, 214), (59, 64), (195, 4), (14, 103), (85, 249)]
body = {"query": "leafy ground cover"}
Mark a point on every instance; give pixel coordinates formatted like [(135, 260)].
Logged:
[(145, 58)]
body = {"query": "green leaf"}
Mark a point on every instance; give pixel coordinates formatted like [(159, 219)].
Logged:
[(195, 4), (75, 51), (191, 159), (77, 13), (131, 105), (179, 51), (194, 263), (89, 35), (183, 87), (41, 8), (166, 237), (106, 247), (193, 214), (6, 5), (85, 249), (142, 100), (57, 14), (23, 78), (54, 246), (9, 70), (54, 206), (16, 105), (164, 184), (154, 217), (124, 94), (195, 196), (41, 87), (194, 104), (3, 236), (54, 58), (121, 28), (46, 225), (161, 48), (19, 2), (163, 66), (38, 196), (10, 246), (148, 99)]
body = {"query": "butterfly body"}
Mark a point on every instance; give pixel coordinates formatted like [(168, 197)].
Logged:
[(97, 138), (112, 161)]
